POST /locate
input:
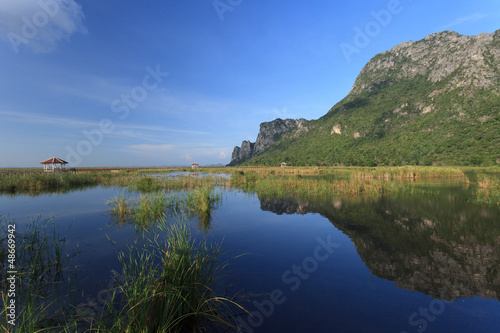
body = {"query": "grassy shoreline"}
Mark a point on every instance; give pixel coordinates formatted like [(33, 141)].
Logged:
[(372, 181), (166, 283), (152, 273)]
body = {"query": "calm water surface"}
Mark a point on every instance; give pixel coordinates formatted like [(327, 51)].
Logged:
[(333, 265)]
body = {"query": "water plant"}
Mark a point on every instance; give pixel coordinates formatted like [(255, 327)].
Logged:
[(35, 183), (168, 284), (120, 207), (41, 264), (486, 189), (202, 202), (146, 210)]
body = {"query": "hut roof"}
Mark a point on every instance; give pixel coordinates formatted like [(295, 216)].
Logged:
[(194, 164), (54, 160)]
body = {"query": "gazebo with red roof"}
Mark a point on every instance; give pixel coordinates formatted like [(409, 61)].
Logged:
[(50, 165), (194, 166)]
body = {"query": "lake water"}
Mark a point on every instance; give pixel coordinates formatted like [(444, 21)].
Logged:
[(332, 265)]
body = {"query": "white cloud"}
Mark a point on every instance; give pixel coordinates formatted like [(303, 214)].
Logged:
[(151, 148), (283, 113), (187, 157), (460, 20), (223, 155), (39, 24), (33, 118)]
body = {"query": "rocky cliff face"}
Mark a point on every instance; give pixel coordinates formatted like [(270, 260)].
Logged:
[(467, 61), (269, 133), (435, 101)]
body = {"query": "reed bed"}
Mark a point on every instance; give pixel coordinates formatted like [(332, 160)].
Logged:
[(202, 202), (166, 283), (145, 181), (38, 183), (143, 211), (149, 208), (43, 267), (487, 189), (404, 172), (311, 188), (369, 182), (407, 172), (169, 285)]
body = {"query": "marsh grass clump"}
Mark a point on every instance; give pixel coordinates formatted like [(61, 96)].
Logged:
[(150, 207), (486, 182), (41, 265), (203, 200), (147, 184), (145, 210), (406, 172), (281, 186), (169, 284), (486, 189), (35, 183), (121, 208)]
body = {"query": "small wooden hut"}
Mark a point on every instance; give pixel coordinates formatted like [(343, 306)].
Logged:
[(283, 164), (54, 164)]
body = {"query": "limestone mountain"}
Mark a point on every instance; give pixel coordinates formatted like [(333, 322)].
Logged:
[(269, 133), (433, 101)]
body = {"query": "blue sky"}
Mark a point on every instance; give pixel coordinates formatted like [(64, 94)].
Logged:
[(168, 82)]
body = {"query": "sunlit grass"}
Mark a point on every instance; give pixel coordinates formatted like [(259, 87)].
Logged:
[(35, 183), (42, 267), (487, 189), (169, 283), (166, 283), (148, 208)]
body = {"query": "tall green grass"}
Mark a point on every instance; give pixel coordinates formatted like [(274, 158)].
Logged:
[(319, 188), (486, 189), (166, 284), (202, 202), (169, 285), (407, 172), (42, 265), (148, 208), (144, 211), (34, 183), (38, 183)]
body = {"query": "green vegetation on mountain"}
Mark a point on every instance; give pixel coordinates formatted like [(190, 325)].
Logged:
[(430, 102)]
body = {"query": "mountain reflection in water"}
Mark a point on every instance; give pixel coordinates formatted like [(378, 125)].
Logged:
[(447, 249)]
